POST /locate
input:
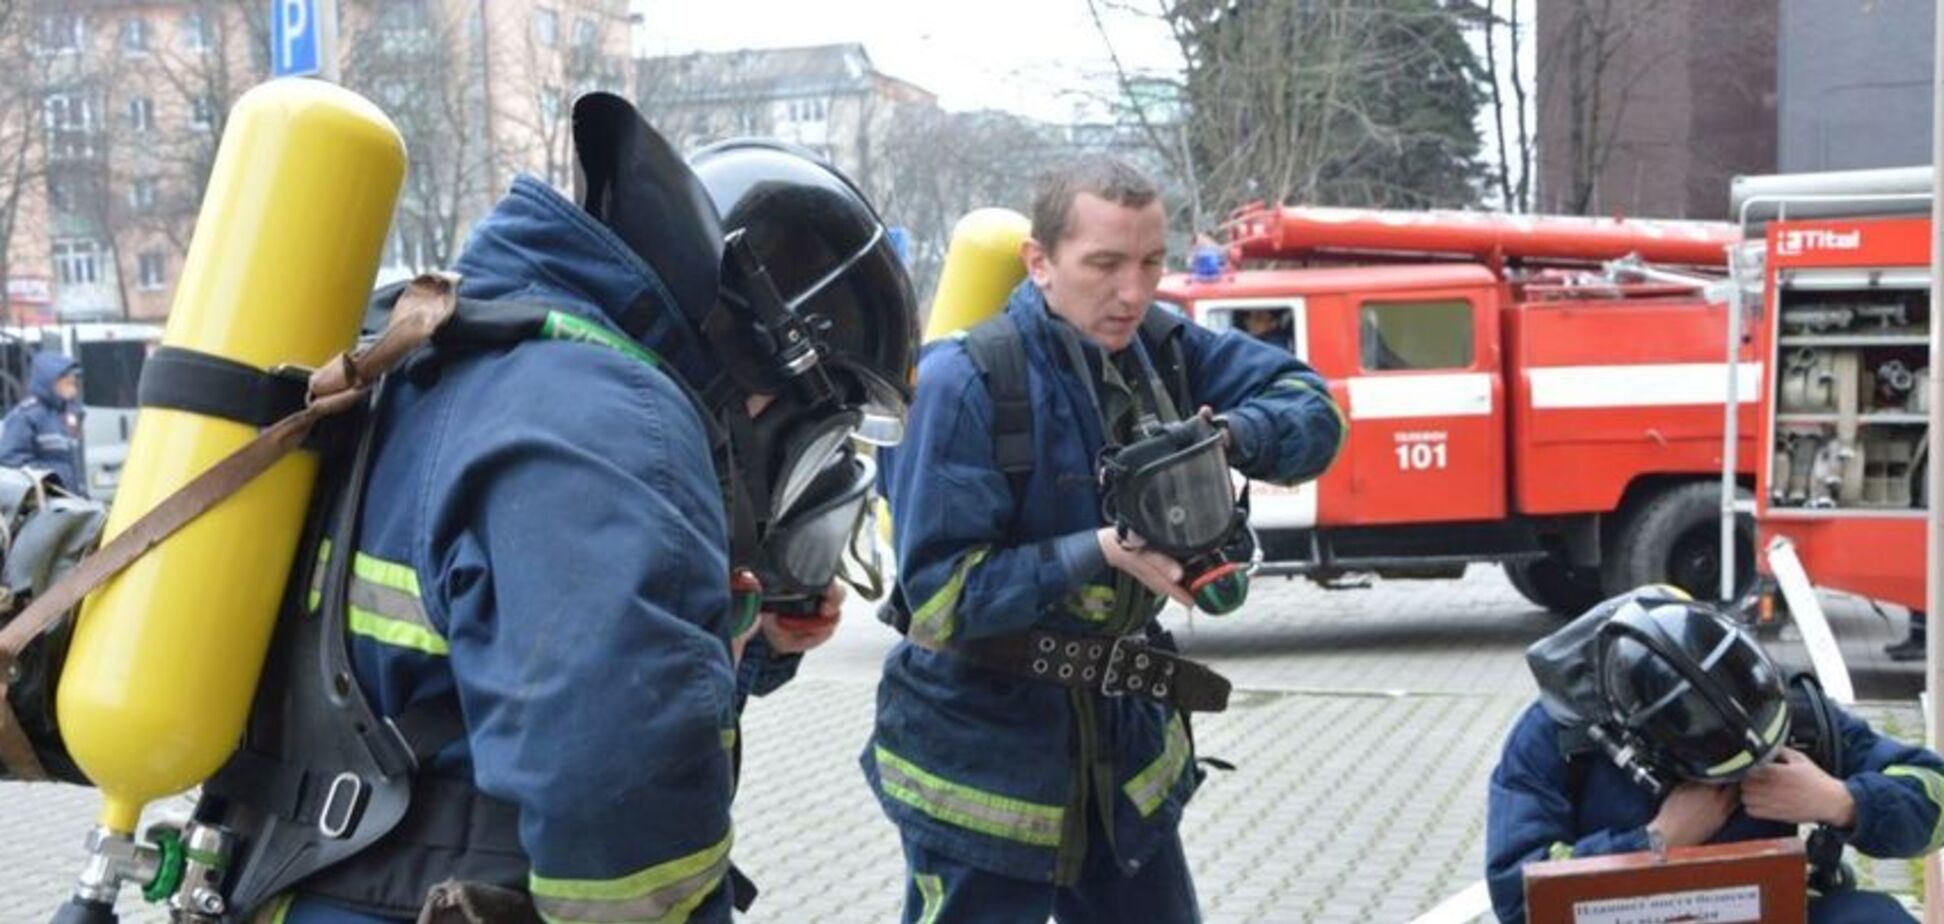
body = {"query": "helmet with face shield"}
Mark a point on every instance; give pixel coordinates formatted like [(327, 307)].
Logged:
[(821, 315)]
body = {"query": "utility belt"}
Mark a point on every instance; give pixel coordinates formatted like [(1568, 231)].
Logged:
[(1126, 666)]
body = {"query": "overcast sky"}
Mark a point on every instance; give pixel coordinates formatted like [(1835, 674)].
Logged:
[(1041, 58), (1035, 57)]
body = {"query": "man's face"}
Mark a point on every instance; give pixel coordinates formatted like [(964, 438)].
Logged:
[(68, 387), (1102, 275)]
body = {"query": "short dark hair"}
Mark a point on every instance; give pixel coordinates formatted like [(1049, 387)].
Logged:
[(1103, 175)]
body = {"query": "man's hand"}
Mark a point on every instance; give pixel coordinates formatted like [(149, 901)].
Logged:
[(1155, 571), (798, 634), (1692, 813), (1208, 413), (1793, 789)]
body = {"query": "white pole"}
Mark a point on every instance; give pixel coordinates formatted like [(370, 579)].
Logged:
[(1934, 476), (1730, 426)]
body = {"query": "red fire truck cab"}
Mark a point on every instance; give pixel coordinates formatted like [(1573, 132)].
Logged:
[(1508, 401)]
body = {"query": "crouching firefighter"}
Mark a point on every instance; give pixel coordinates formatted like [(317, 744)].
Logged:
[(1661, 723), (500, 687), (1032, 744)]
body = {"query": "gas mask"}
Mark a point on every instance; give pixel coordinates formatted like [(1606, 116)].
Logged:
[(805, 548), (1170, 486)]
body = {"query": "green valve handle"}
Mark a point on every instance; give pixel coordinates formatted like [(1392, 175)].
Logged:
[(1221, 590), (168, 870)]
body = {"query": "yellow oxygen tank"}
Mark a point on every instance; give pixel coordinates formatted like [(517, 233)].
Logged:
[(982, 266), (165, 657)]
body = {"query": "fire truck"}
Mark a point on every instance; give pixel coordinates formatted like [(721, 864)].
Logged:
[(1510, 398), (1844, 276)]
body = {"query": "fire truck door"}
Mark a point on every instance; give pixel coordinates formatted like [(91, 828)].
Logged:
[(1284, 323), (1427, 409)]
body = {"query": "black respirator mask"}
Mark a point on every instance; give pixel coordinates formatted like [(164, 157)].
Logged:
[(1170, 486), (804, 551)]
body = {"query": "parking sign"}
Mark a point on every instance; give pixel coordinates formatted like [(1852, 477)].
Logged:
[(303, 38)]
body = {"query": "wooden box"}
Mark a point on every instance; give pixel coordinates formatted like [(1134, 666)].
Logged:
[(1752, 881)]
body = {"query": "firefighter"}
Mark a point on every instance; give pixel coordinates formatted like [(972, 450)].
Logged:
[(1023, 793), (550, 527), (44, 431), (1635, 745)]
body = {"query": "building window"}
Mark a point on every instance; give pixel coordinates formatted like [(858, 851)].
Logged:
[(141, 195), (61, 194), (70, 124), (141, 114), (1417, 335), (62, 33), (135, 35), (585, 32), (195, 32), (77, 262), (69, 112), (546, 27), (202, 112), (808, 110), (151, 271)]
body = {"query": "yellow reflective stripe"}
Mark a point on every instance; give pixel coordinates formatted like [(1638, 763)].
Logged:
[(972, 809), (931, 890), (276, 910), (385, 573), (1092, 603), (317, 575), (385, 606), (661, 894), (1730, 765), (932, 625), (1150, 787), (1933, 784), (1773, 733), (1343, 422), (728, 739), (395, 633), (1560, 850)]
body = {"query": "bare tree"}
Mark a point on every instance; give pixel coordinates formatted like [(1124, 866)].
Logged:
[(417, 62), (220, 48), (1329, 101), (23, 130), (1588, 82), (937, 165)]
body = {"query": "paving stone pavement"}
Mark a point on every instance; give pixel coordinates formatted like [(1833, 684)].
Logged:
[(1363, 729)]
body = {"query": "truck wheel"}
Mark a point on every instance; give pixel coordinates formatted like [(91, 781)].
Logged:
[(1555, 585), (1675, 538)]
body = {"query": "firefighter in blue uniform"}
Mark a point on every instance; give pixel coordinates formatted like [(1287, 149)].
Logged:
[(1016, 798), (44, 431), (1720, 752), (546, 535)]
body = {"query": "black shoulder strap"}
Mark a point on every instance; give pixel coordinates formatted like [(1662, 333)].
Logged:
[(997, 350), (1161, 331)]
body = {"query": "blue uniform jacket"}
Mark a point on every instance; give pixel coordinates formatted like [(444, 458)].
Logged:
[(544, 535), (44, 432), (1534, 813), (980, 766)]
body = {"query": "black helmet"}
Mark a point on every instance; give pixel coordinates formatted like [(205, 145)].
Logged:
[(818, 311), (829, 259), (1690, 687)]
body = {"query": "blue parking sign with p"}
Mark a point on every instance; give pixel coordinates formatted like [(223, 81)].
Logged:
[(296, 38)]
